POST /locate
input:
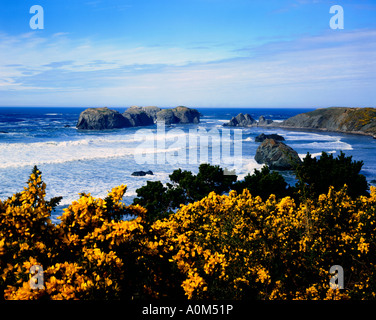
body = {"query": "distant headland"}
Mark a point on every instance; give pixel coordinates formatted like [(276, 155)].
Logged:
[(335, 119)]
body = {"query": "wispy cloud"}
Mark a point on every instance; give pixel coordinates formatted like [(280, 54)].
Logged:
[(29, 55), (330, 68)]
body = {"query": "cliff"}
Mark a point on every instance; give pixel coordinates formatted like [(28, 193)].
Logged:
[(338, 119)]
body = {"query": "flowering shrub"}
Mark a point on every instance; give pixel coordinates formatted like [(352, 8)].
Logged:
[(232, 246), (238, 247), (92, 253)]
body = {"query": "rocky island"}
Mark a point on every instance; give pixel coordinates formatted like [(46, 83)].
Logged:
[(245, 120), (105, 118), (241, 120), (142, 173), (277, 155), (261, 137)]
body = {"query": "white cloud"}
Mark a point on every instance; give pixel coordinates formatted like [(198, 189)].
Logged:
[(336, 68)]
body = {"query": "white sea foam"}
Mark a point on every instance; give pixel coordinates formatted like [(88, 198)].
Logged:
[(105, 147), (52, 152), (96, 162), (320, 141), (337, 145), (293, 136), (248, 167), (314, 155)]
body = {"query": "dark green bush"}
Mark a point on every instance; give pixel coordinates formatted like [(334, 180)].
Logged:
[(315, 175)]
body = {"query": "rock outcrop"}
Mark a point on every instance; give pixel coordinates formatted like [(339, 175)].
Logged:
[(100, 119), (142, 173), (263, 136), (264, 122), (245, 120), (337, 119), (178, 115), (104, 118), (167, 116), (186, 115), (241, 120), (138, 117), (151, 111), (277, 155)]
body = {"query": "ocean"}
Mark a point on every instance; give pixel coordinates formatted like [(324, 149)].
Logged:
[(74, 161)]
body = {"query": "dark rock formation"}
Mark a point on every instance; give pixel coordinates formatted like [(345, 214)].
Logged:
[(277, 155), (186, 115), (167, 116), (151, 111), (104, 118), (142, 173), (263, 136), (338, 119), (138, 117), (245, 120), (241, 120), (264, 122), (178, 115), (101, 118)]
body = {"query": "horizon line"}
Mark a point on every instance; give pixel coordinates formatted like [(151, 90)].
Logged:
[(188, 106)]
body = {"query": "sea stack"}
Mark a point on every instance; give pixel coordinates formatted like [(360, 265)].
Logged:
[(241, 120), (277, 155), (105, 118), (100, 119), (245, 120), (261, 137)]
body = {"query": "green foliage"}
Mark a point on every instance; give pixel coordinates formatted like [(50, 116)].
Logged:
[(195, 187), (316, 175), (184, 188), (154, 198), (263, 183)]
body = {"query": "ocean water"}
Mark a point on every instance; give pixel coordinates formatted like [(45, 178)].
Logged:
[(74, 161)]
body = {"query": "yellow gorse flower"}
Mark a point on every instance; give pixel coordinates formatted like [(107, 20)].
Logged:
[(223, 247)]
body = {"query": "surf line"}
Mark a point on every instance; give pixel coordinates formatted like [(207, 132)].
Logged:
[(195, 147)]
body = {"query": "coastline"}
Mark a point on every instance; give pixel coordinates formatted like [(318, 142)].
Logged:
[(360, 121), (75, 161), (305, 129)]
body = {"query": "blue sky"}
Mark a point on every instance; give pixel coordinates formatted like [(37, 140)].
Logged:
[(200, 53)]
